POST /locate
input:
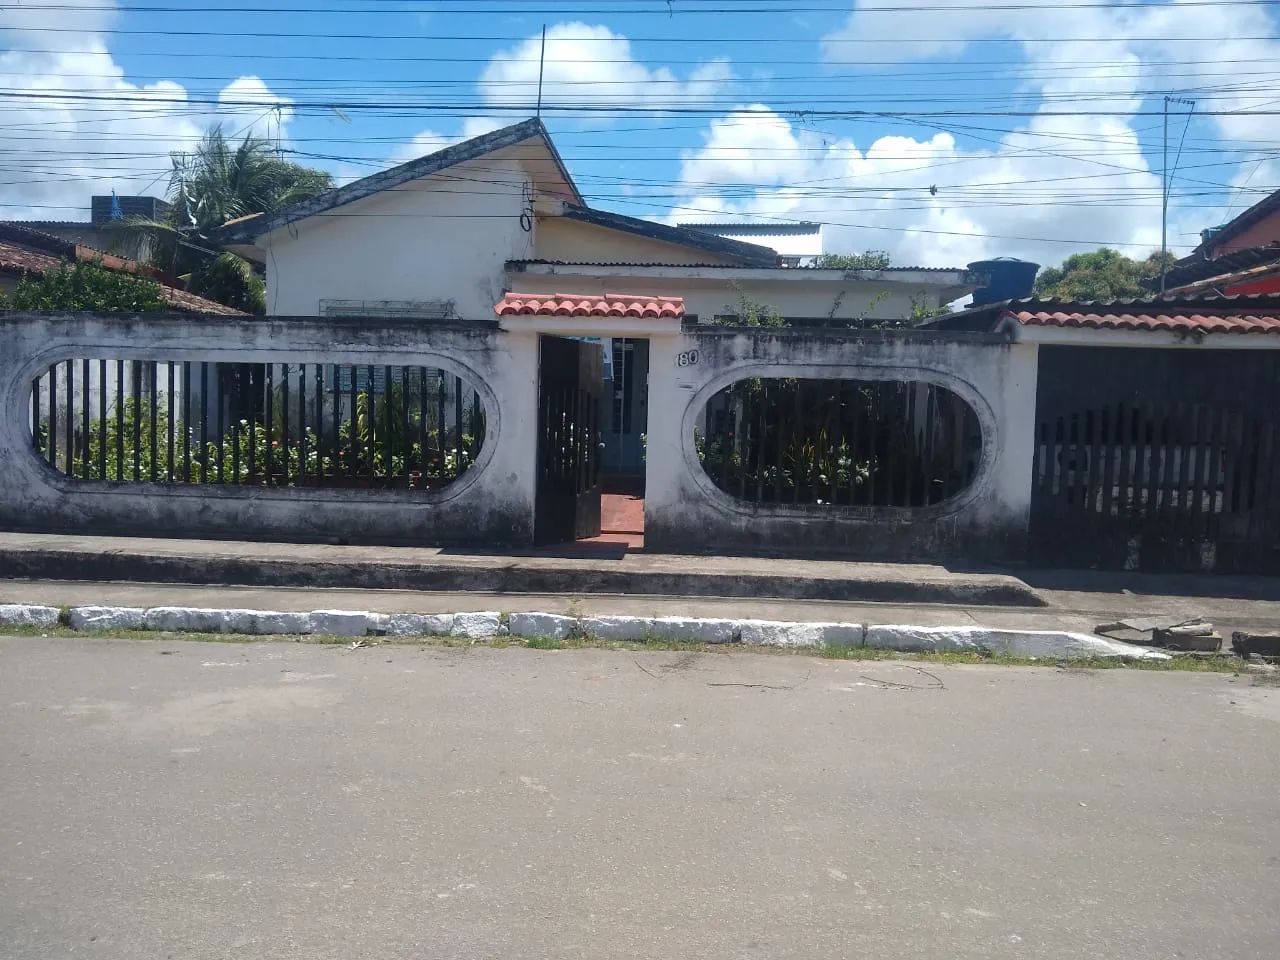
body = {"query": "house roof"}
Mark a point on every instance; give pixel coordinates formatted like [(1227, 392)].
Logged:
[(1194, 269), (588, 305), (1241, 222), (25, 251), (802, 228), (776, 265), (1235, 278), (1190, 315), (751, 254), (246, 229)]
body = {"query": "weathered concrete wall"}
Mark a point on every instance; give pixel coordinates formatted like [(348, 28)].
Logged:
[(492, 503), (825, 295), (685, 511)]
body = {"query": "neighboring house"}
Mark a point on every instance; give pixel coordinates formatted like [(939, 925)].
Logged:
[(1156, 428), (450, 234), (99, 231), (26, 252), (1239, 257), (1259, 226), (1248, 271)]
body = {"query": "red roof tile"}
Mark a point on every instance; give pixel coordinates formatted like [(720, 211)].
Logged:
[(1156, 317), (588, 305)]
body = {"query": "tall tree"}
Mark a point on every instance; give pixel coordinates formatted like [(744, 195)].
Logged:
[(1103, 274), (218, 181)]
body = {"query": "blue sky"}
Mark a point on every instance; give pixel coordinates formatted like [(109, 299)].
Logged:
[(1025, 173)]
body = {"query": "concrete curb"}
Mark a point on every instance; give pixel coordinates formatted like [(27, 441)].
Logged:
[(907, 638)]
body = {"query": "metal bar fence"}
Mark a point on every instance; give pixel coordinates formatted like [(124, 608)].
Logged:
[(256, 424)]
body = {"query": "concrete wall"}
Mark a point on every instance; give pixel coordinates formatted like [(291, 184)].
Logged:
[(817, 297), (445, 237), (491, 503), (686, 512)]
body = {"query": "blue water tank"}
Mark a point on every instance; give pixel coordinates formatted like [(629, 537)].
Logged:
[(1008, 279)]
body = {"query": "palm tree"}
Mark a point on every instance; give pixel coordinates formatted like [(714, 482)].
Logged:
[(219, 181)]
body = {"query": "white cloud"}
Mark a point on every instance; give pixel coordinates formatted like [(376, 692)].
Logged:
[(1144, 37), (430, 141), (1080, 178), (883, 197), (240, 100), (58, 151), (592, 65)]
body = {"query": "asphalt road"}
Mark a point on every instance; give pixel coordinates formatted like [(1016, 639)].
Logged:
[(195, 801)]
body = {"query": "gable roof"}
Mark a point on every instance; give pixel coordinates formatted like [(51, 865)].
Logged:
[(1241, 222), (24, 251), (1195, 316), (246, 229), (751, 254)]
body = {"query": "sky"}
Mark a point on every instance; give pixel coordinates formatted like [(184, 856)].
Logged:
[(940, 132)]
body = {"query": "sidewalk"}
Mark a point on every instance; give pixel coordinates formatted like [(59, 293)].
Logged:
[(581, 569)]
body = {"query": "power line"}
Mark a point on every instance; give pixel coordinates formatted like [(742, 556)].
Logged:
[(419, 38), (659, 6), (523, 108)]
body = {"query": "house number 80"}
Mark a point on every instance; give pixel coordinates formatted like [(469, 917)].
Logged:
[(686, 358)]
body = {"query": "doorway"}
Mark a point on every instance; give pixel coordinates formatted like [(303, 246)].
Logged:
[(626, 425), (570, 388)]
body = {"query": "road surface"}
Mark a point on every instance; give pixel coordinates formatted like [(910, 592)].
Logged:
[(192, 800)]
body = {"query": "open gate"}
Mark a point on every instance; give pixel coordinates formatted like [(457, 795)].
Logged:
[(570, 384), (1157, 459)]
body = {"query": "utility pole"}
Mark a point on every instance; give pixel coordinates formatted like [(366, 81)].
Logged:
[(542, 62), (1165, 174)]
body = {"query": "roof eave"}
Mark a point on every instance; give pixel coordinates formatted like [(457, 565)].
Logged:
[(751, 253), (248, 231)]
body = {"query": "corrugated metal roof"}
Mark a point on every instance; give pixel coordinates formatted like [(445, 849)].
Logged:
[(757, 229), (588, 305)]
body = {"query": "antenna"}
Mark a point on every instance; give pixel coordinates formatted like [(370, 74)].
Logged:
[(1165, 174), (542, 62)]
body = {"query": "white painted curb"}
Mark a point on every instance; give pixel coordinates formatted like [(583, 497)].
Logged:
[(908, 638), (27, 615)]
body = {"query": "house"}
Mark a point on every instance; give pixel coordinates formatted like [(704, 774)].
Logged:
[(99, 231), (1239, 257), (30, 253), (1156, 434), (452, 234)]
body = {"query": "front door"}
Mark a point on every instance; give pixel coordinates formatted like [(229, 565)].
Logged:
[(567, 500)]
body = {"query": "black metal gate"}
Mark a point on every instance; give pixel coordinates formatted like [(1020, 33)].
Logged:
[(570, 383), (1157, 459)]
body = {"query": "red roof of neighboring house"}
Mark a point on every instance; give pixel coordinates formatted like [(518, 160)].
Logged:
[(1159, 317), (588, 305), (17, 256), (1190, 315)]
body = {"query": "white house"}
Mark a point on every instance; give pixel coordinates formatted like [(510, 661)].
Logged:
[(446, 236)]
